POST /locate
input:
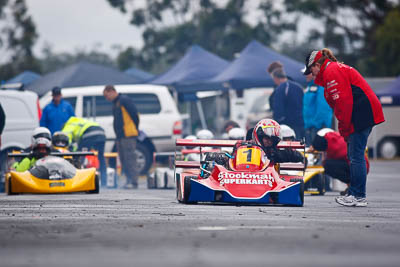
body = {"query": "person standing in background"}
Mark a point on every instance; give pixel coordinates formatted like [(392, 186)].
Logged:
[(88, 135), (56, 113), (357, 110), (287, 102), (126, 128), (317, 113), (2, 121)]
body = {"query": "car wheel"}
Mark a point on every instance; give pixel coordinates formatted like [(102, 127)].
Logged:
[(388, 148), (144, 158), (96, 186), (301, 192)]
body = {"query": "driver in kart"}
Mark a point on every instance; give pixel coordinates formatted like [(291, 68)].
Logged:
[(41, 147), (267, 134)]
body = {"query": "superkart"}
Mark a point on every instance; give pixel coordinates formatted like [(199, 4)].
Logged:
[(52, 174), (246, 178)]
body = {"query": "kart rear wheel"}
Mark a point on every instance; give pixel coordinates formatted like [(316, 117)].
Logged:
[(186, 191), (96, 186), (321, 184), (179, 196), (301, 189)]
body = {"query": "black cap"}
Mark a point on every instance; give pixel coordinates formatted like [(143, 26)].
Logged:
[(56, 91), (320, 143)]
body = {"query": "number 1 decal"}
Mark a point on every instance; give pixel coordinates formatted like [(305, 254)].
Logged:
[(248, 152)]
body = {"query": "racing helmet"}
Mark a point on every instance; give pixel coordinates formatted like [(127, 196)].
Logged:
[(287, 133), (40, 132), (41, 147), (60, 139), (267, 128), (236, 134), (191, 137), (205, 134)]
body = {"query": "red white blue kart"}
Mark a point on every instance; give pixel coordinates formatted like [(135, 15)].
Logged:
[(248, 178)]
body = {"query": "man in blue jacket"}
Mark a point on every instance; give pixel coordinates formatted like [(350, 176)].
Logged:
[(126, 128), (56, 113), (287, 102), (317, 113)]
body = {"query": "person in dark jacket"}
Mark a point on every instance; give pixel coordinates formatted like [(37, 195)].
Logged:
[(357, 110), (287, 102), (2, 121), (126, 128), (56, 113)]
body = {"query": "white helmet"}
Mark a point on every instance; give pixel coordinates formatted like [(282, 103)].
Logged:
[(40, 132), (236, 134), (324, 131), (205, 134), (287, 132), (191, 137)]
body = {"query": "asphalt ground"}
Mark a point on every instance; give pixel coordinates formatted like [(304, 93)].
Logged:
[(149, 228)]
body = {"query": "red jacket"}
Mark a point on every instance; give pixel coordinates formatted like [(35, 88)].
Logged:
[(337, 148), (354, 103)]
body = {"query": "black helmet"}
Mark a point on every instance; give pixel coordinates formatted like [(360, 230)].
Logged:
[(60, 139)]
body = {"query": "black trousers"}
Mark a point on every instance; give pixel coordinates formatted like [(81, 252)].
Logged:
[(338, 169)]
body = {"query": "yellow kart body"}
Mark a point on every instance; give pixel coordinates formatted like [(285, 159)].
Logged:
[(60, 177), (85, 180), (314, 172)]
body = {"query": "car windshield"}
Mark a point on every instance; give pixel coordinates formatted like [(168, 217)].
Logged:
[(53, 168), (261, 104)]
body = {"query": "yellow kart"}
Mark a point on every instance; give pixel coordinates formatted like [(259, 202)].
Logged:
[(53, 174)]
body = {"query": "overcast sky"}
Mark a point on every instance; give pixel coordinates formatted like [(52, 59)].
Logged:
[(68, 25), (71, 24)]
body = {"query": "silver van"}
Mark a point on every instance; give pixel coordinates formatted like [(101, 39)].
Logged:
[(160, 121), (22, 117)]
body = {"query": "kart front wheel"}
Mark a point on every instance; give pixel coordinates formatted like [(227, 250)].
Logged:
[(9, 191), (96, 186)]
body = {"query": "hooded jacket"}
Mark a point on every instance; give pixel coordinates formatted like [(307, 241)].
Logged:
[(354, 103)]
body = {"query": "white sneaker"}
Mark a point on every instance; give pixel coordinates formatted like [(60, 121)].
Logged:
[(351, 201)]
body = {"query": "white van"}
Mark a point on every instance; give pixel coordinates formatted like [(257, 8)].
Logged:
[(160, 121), (22, 117)]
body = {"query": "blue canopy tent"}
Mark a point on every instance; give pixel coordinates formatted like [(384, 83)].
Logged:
[(140, 75), (196, 66), (250, 69), (391, 94), (80, 74), (25, 78)]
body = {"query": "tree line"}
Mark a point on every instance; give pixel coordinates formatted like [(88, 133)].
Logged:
[(362, 33)]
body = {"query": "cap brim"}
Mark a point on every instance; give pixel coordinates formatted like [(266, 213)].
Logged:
[(307, 71)]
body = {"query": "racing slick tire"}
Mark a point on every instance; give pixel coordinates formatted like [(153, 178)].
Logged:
[(10, 192), (186, 191), (96, 186), (321, 184), (301, 189)]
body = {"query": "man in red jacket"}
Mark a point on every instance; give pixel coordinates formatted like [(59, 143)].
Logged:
[(357, 110), (336, 163)]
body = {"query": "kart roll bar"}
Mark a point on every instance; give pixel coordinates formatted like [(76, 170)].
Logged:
[(58, 154), (231, 143)]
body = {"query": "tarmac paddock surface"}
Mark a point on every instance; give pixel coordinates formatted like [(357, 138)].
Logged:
[(149, 228)]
